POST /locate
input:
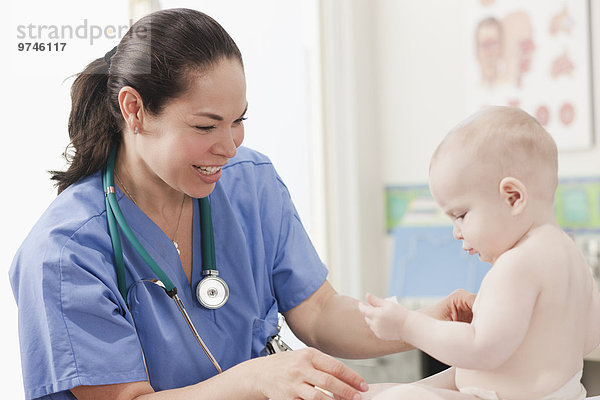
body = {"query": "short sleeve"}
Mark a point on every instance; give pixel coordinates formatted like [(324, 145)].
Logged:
[(298, 271), (73, 326)]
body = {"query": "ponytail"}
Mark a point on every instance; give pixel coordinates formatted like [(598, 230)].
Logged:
[(93, 129)]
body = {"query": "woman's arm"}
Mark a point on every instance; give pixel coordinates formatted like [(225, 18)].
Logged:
[(333, 323), (288, 375)]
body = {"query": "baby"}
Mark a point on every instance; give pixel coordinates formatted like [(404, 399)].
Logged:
[(537, 313)]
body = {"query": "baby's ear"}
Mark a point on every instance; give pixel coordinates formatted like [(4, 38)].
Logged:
[(514, 193)]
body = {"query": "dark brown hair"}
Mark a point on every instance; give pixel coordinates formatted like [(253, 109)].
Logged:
[(155, 57)]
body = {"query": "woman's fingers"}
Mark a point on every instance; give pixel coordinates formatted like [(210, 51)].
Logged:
[(335, 377), (309, 392), (300, 374), (456, 307), (462, 305), (332, 385)]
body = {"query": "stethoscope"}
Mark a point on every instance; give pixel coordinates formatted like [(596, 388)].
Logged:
[(212, 292)]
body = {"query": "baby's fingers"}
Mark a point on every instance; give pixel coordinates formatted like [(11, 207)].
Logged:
[(374, 300), (365, 309)]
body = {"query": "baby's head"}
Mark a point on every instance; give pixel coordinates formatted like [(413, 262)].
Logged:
[(495, 175)]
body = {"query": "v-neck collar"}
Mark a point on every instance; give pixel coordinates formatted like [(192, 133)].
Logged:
[(158, 244)]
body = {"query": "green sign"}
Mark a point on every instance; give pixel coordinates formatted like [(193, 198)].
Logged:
[(577, 206)]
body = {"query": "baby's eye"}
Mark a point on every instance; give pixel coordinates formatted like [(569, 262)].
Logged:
[(461, 216)]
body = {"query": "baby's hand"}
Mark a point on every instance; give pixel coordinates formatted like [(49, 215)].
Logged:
[(384, 317)]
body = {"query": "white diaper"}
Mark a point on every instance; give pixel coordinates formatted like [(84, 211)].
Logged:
[(572, 390)]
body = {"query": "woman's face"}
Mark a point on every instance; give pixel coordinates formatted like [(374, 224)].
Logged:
[(196, 134)]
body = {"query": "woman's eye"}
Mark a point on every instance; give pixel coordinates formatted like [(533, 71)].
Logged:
[(239, 121), (205, 128)]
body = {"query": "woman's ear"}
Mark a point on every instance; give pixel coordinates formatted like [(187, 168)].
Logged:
[(132, 108), (514, 194)]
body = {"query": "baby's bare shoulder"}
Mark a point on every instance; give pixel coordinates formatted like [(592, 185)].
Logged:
[(547, 243), (540, 250)]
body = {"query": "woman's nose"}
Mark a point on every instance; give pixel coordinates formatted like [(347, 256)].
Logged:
[(228, 143)]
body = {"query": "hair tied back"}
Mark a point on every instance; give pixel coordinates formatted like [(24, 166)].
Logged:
[(108, 56)]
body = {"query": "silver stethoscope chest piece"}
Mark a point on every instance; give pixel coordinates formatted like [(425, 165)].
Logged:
[(212, 292)]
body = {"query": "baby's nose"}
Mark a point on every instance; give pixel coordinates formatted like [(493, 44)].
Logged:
[(457, 233)]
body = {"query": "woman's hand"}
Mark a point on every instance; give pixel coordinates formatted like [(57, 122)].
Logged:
[(290, 375), (299, 374), (384, 317), (458, 306)]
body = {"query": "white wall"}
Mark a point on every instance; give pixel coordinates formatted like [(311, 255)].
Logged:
[(422, 85), (420, 82)]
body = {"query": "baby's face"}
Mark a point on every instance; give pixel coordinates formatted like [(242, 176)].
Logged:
[(469, 194)]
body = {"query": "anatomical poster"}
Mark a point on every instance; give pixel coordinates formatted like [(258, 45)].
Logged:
[(536, 55)]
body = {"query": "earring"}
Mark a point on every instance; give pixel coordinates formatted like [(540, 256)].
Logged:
[(135, 130)]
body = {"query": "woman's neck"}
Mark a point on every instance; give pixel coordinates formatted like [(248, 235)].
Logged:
[(147, 191)]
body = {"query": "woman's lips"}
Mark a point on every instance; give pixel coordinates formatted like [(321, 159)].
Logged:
[(208, 174)]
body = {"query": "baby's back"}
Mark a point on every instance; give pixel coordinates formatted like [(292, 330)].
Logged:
[(565, 316)]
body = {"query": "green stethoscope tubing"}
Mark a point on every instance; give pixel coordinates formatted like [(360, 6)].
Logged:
[(209, 262), (116, 219), (115, 216)]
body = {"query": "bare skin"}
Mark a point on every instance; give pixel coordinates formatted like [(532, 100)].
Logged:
[(537, 313)]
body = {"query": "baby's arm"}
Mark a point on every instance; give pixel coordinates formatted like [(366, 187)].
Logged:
[(501, 316)]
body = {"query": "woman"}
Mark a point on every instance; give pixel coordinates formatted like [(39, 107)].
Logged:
[(170, 101)]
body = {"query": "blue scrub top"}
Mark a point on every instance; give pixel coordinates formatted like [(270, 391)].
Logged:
[(75, 328)]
